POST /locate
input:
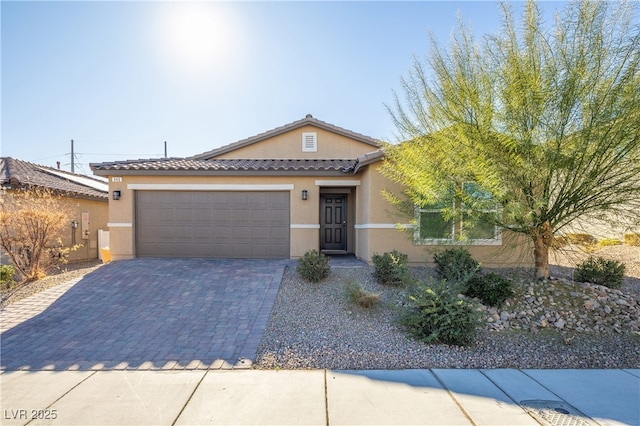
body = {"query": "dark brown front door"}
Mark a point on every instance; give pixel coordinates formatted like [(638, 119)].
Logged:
[(333, 222)]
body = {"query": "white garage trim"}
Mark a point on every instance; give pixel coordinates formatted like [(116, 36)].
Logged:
[(337, 183), (305, 226), (207, 187), (119, 224)]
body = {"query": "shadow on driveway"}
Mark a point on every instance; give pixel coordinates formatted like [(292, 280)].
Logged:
[(151, 313)]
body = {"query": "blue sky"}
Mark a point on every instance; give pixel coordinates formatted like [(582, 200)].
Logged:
[(120, 78)]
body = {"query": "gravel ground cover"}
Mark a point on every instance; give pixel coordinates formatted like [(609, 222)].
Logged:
[(67, 272), (315, 326)]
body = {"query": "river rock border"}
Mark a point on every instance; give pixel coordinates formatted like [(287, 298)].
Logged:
[(565, 305)]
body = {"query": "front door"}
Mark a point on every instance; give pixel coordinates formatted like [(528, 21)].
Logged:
[(333, 222)]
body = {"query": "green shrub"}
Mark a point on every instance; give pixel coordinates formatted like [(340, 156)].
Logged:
[(391, 268), (455, 265), (313, 266), (632, 239), (492, 289), (361, 297), (598, 270), (436, 313), (7, 273)]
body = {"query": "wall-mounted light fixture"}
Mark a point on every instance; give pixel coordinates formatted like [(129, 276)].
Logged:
[(116, 195), (305, 194)]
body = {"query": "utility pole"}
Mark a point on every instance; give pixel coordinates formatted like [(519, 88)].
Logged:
[(73, 169), (165, 149)]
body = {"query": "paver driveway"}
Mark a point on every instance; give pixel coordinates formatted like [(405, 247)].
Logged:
[(151, 313)]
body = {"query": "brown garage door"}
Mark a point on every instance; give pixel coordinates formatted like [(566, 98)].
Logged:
[(212, 224)]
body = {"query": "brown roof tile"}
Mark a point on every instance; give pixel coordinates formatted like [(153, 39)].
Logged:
[(239, 165), (18, 173)]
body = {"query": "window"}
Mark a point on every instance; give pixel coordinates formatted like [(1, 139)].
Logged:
[(432, 225), (309, 142), (435, 227)]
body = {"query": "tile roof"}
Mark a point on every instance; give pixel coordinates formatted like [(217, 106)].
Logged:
[(19, 173), (226, 165), (368, 158), (308, 120)]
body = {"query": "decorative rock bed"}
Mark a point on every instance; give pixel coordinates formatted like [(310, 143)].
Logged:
[(565, 305)]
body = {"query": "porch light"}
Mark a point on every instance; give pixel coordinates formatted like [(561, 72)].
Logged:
[(305, 194), (116, 195)]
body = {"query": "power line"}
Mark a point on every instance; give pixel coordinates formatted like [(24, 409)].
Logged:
[(81, 154), (49, 158)]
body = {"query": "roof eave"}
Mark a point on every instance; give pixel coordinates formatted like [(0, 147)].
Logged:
[(185, 172), (60, 192), (369, 158)]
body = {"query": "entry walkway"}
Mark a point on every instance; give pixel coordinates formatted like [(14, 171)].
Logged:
[(321, 397)]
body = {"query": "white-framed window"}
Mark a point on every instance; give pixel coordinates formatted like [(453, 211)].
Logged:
[(481, 229), (433, 226), (309, 142)]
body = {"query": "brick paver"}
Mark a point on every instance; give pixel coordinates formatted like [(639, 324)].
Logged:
[(29, 307), (145, 314)]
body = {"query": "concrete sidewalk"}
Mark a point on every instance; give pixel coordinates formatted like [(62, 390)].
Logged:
[(321, 397)]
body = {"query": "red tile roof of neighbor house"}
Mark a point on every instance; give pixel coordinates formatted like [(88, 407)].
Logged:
[(17, 173)]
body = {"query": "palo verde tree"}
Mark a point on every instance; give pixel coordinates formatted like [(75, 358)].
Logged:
[(544, 122), (30, 223)]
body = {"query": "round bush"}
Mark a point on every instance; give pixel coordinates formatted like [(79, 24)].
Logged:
[(391, 268), (598, 270), (492, 289), (437, 314), (7, 274), (313, 266), (455, 265)]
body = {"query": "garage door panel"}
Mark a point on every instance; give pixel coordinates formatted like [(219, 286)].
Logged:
[(260, 233), (212, 224)]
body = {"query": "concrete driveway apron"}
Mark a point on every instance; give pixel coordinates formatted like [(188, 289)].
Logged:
[(151, 314)]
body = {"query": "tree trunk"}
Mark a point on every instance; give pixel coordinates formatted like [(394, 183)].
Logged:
[(542, 237)]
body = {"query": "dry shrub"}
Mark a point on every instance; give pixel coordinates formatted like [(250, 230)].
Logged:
[(559, 241), (606, 242), (581, 239), (632, 240), (30, 223), (361, 297)]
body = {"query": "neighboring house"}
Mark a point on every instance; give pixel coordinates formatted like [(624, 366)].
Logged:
[(306, 185), (87, 198)]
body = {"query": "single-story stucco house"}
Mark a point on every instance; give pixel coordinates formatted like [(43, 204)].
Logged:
[(86, 197), (306, 185)]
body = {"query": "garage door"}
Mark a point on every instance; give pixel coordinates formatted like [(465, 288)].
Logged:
[(212, 224)]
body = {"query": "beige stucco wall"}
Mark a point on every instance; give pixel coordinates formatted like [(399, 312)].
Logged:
[(380, 229), (373, 221), (88, 244), (289, 145), (305, 214)]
